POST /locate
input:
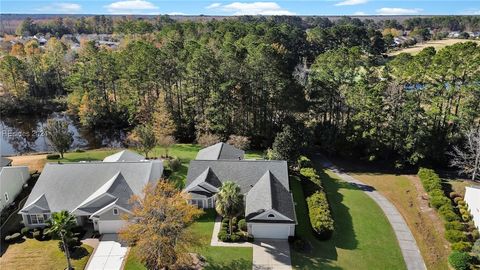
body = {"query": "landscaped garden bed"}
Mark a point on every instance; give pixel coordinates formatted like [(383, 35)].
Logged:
[(239, 231)]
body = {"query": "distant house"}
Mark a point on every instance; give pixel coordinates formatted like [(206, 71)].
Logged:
[(41, 40), (12, 180), (269, 208), (454, 34), (472, 198), (97, 193)]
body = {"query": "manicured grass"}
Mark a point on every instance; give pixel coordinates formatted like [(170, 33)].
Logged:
[(89, 155), (217, 257), (34, 254), (437, 44), (363, 237), (423, 221)]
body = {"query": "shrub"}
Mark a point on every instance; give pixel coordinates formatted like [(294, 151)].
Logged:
[(223, 236), (463, 211), (53, 156), (454, 236), (225, 221), (37, 234), (242, 224), (73, 242), (461, 203), (462, 246), (175, 164), (13, 237), (453, 195), (466, 217), (249, 238), (311, 174), (240, 142), (457, 200), (438, 201), (454, 225), (320, 216), (78, 150), (459, 260), (27, 232), (429, 179), (235, 237), (475, 234), (304, 162), (207, 139), (449, 215), (234, 221)]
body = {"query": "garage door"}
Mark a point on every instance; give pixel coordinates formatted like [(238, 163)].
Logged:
[(110, 226), (278, 231)]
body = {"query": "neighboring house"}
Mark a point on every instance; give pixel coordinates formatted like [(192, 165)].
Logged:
[(269, 207), (12, 180), (472, 198), (97, 193)]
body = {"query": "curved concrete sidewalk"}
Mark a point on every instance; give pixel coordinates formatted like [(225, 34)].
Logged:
[(411, 254)]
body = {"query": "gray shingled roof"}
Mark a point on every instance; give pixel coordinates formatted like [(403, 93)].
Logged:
[(267, 179), (245, 173), (268, 193), (124, 155), (220, 151), (66, 185)]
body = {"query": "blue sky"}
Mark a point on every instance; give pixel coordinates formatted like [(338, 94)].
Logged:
[(244, 7)]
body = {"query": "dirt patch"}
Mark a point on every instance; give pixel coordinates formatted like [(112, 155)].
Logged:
[(34, 162)]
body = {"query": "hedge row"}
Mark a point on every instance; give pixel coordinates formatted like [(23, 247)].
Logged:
[(320, 216), (318, 208), (432, 184)]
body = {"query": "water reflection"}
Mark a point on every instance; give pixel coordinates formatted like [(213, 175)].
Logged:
[(23, 134)]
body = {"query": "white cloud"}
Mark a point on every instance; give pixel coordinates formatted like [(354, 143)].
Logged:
[(351, 2), (213, 5), (253, 8), (398, 11), (359, 13), (61, 8), (132, 7), (176, 13), (471, 12)]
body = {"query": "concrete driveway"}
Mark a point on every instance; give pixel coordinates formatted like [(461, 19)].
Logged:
[(271, 254), (108, 255)]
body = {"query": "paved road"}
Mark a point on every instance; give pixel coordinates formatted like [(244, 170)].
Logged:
[(270, 254), (408, 245)]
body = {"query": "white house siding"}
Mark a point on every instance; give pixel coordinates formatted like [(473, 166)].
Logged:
[(271, 230), (12, 180), (472, 198)]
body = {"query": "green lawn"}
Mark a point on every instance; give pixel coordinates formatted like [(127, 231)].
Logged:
[(34, 254), (217, 257), (363, 237)]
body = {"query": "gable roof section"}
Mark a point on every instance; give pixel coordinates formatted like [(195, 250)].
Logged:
[(220, 151), (245, 173), (207, 181), (268, 193), (39, 202), (124, 155), (68, 185)]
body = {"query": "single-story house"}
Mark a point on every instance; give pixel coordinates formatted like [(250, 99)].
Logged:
[(12, 180), (472, 198), (269, 207), (97, 193)]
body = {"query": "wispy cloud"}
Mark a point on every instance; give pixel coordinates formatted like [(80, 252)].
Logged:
[(398, 11), (359, 13), (176, 13), (61, 8), (253, 8), (471, 12), (351, 2), (132, 7)]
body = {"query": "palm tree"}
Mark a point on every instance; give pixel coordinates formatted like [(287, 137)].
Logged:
[(229, 201), (61, 223)]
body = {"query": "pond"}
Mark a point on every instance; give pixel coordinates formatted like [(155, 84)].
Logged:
[(25, 134)]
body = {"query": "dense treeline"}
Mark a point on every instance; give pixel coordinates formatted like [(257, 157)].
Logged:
[(253, 76), (101, 24)]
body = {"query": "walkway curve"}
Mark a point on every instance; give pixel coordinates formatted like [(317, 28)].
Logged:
[(411, 254)]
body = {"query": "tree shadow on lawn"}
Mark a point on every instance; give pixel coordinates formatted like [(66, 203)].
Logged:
[(322, 254), (79, 253)]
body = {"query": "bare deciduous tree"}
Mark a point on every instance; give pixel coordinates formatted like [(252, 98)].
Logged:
[(467, 159)]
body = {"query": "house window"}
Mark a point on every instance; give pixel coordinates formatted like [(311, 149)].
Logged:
[(115, 211), (38, 218), (271, 215), (6, 197)]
